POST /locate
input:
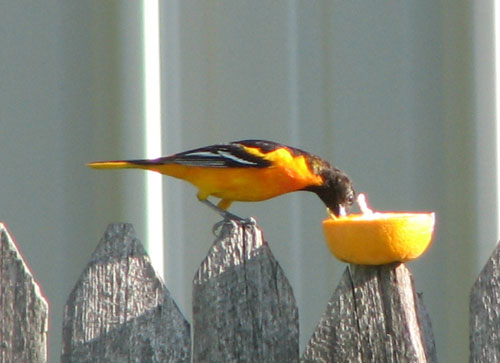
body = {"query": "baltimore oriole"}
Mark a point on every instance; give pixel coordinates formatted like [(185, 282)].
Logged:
[(249, 171)]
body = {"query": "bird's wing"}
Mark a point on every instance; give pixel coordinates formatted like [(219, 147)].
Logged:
[(232, 155), (238, 154)]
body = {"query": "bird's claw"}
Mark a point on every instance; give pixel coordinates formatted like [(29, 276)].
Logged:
[(236, 222), (228, 217)]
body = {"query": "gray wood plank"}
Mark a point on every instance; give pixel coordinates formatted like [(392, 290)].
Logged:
[(485, 312), (120, 310), (373, 316), (23, 309), (243, 306)]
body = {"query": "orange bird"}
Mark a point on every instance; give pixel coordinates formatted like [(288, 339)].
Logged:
[(249, 171)]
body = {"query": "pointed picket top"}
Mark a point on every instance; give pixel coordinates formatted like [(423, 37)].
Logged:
[(120, 309), (23, 309), (374, 315), (485, 312), (243, 306), (236, 244)]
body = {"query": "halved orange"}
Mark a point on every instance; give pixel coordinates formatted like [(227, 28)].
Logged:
[(379, 238)]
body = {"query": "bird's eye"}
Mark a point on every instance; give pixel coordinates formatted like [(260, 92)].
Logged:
[(350, 199)]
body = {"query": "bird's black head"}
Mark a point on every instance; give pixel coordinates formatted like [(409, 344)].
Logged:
[(336, 192)]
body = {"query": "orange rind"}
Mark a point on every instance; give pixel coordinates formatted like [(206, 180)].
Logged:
[(374, 238)]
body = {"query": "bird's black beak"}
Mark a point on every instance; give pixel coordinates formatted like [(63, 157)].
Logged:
[(339, 210)]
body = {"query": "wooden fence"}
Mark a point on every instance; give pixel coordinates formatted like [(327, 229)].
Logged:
[(243, 309)]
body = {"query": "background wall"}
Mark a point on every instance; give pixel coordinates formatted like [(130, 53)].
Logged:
[(399, 95)]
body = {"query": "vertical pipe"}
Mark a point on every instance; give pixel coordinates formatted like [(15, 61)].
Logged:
[(294, 124), (152, 122), (496, 7)]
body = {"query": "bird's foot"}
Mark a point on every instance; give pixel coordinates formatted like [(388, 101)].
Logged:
[(228, 217), (224, 213), (235, 222)]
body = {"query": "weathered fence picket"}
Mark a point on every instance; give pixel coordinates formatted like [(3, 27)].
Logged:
[(243, 306), (243, 309), (485, 312), (374, 315), (23, 309), (120, 310)]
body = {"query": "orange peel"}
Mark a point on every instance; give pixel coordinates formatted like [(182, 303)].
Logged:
[(374, 238)]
